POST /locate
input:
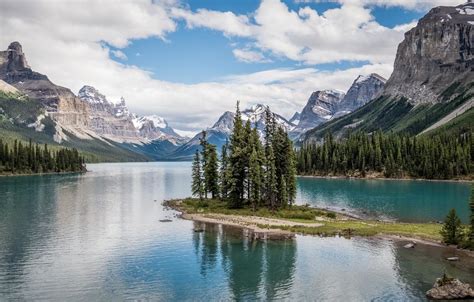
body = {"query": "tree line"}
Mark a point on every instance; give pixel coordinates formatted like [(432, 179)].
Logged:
[(249, 172), (393, 155), (32, 158)]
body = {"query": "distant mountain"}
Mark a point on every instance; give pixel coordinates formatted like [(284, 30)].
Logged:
[(154, 127), (325, 105), (295, 119), (362, 90), (431, 85), (220, 132), (34, 107), (321, 107)]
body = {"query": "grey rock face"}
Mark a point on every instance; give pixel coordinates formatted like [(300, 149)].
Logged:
[(362, 90), (323, 106), (60, 103), (320, 108), (439, 51), (103, 119), (295, 119)]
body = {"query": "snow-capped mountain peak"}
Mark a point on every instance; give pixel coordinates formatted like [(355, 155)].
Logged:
[(157, 121), (92, 96)]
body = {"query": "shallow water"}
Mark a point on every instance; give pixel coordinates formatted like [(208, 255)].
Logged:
[(97, 236)]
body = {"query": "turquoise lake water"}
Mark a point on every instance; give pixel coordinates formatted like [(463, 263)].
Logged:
[(97, 237)]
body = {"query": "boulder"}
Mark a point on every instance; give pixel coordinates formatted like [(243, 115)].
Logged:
[(450, 289)]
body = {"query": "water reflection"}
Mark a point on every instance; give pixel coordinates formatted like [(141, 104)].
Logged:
[(254, 269), (97, 237)]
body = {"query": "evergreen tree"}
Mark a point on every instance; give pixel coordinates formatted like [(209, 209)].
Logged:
[(452, 229), (271, 180), (197, 186), (224, 172), (237, 162), (255, 179), (211, 171), (204, 158)]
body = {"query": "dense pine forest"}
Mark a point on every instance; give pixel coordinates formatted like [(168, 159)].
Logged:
[(391, 155), (32, 158), (249, 173)]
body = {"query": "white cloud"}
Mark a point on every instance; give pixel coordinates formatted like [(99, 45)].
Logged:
[(227, 22), (249, 56), (349, 32), (409, 4), (119, 54), (65, 39)]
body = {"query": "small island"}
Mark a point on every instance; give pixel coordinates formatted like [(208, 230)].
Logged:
[(253, 187)]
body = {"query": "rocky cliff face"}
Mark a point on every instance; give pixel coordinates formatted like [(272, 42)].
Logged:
[(60, 103), (431, 85), (438, 52), (362, 90), (103, 115), (295, 119), (321, 107)]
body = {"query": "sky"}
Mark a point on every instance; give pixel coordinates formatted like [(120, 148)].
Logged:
[(190, 60)]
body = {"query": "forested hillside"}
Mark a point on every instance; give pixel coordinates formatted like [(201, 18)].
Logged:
[(442, 156)]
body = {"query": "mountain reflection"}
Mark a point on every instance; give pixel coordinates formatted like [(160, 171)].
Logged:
[(253, 268)]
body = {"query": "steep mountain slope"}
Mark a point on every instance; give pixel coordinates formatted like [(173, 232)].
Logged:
[(220, 132), (295, 119), (89, 122), (326, 105), (106, 118), (320, 108), (433, 77), (23, 119), (362, 90)]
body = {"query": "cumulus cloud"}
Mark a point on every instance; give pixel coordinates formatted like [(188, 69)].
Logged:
[(68, 42), (249, 56), (347, 33), (409, 4)]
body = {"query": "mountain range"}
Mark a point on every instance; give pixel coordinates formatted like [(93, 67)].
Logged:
[(432, 85), (87, 121), (431, 89)]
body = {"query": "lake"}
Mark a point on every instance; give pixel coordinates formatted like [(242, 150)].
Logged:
[(97, 236)]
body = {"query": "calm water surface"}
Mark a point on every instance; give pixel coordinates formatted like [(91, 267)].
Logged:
[(97, 237), (402, 200)]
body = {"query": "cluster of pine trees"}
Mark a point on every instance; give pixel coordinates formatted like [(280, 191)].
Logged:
[(249, 172), (394, 155), (31, 158)]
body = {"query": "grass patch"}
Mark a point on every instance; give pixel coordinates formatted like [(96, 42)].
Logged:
[(301, 213), (429, 231), (332, 224)]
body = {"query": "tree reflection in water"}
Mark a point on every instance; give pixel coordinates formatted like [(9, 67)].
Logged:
[(255, 269)]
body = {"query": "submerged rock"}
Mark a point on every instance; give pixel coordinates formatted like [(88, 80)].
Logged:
[(452, 258), (410, 245), (447, 288)]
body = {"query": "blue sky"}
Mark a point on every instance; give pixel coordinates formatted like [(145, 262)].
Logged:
[(191, 60), (196, 55)]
